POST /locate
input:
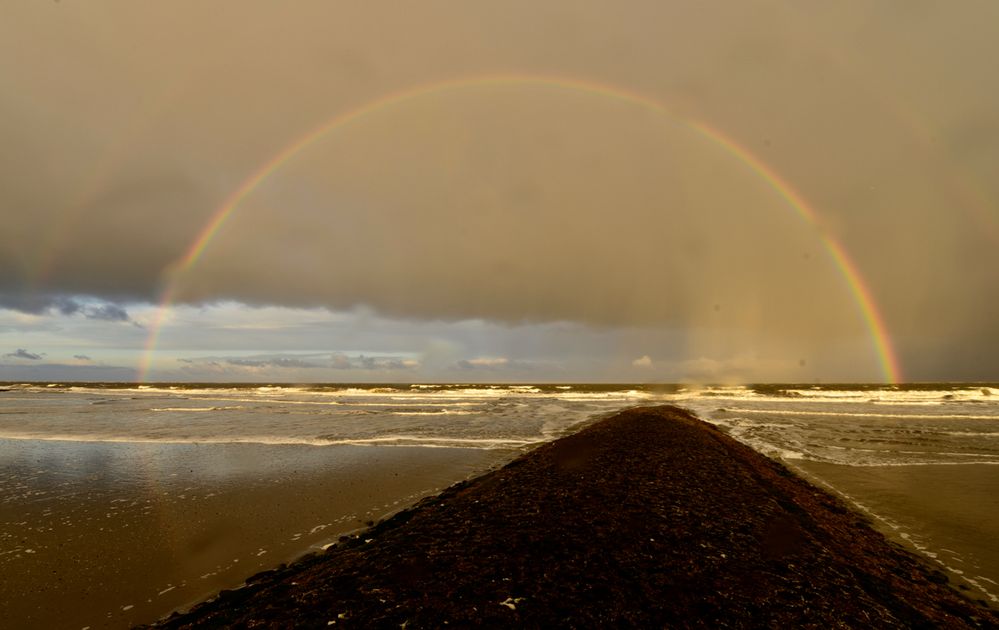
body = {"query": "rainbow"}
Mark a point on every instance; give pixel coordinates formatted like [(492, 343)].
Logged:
[(858, 288), (873, 319)]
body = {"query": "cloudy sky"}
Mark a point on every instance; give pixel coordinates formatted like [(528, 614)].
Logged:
[(517, 191)]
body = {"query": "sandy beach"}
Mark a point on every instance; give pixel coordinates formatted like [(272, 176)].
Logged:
[(649, 518), (109, 535)]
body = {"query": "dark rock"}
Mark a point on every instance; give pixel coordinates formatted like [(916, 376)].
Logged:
[(937, 577), (649, 518)]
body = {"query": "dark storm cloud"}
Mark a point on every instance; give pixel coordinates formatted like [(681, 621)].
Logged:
[(519, 203), (21, 353), (63, 305), (114, 244), (38, 304), (107, 312)]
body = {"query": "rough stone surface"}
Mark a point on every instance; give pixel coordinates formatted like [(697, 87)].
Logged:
[(650, 518)]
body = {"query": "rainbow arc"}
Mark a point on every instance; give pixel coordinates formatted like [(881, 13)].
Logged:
[(847, 268)]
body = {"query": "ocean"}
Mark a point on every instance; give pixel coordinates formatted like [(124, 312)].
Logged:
[(120, 503)]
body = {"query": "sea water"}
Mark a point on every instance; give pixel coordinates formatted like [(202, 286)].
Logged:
[(477, 416), (139, 463)]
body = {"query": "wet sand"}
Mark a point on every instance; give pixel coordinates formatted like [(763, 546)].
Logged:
[(650, 518), (946, 511), (115, 534)]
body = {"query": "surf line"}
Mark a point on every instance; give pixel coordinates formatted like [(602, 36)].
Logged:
[(857, 286)]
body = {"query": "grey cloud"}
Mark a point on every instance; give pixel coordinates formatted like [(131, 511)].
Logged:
[(82, 357), (36, 304), (280, 362), (314, 366), (260, 361), (65, 305), (60, 372), (107, 312), (336, 361), (520, 203), (361, 362), (21, 353)]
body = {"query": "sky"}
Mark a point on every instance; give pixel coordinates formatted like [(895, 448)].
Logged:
[(710, 192)]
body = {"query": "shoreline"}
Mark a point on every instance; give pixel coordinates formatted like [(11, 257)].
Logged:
[(649, 516)]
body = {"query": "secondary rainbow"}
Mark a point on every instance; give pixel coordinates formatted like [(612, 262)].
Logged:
[(858, 288)]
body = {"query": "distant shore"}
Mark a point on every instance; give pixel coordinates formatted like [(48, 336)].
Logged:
[(648, 518)]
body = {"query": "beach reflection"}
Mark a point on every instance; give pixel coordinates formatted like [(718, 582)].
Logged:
[(113, 534)]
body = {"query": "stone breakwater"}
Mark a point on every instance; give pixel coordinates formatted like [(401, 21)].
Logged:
[(648, 518)]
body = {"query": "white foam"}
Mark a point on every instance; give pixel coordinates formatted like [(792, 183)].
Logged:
[(194, 409), (440, 442), (859, 414), (900, 395), (388, 440)]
